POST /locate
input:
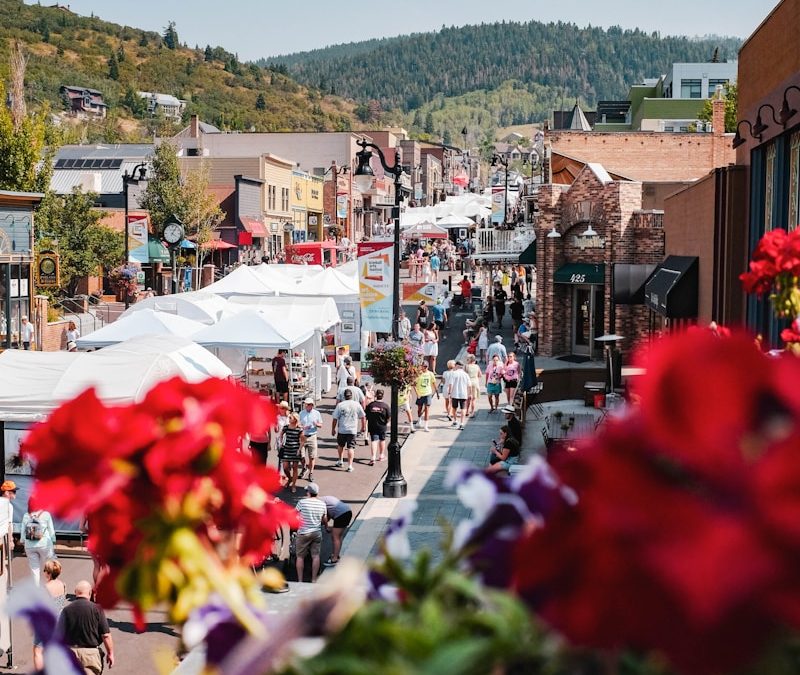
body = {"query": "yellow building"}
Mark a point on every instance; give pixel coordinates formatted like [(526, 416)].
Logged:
[(277, 202), (298, 203)]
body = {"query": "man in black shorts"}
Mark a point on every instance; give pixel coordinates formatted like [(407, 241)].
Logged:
[(458, 392), (378, 413), (281, 374), (347, 416)]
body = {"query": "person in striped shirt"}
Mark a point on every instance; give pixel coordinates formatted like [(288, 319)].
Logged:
[(313, 512)]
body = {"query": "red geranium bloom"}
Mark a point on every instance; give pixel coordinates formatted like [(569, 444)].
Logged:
[(791, 334), (685, 537)]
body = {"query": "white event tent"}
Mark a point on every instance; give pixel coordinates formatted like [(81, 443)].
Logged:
[(34, 383), (241, 281), (199, 306), (143, 322), (321, 312)]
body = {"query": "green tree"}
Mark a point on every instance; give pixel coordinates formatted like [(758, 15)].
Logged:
[(121, 54), (208, 55), (201, 212), (83, 242), (170, 36), (428, 128), (113, 67), (163, 195), (133, 102), (261, 102), (143, 41), (731, 105)]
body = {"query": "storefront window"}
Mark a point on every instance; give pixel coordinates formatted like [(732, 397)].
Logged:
[(769, 187), (794, 179)]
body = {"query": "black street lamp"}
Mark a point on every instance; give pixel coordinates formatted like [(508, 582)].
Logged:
[(499, 159), (139, 173), (394, 484)]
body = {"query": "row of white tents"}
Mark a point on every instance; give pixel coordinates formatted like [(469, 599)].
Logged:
[(208, 333)]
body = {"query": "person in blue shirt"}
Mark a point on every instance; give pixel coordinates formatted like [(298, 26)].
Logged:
[(439, 314), (436, 264)]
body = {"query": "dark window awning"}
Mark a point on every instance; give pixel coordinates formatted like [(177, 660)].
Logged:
[(629, 283), (156, 250), (672, 290), (580, 273), (528, 256)]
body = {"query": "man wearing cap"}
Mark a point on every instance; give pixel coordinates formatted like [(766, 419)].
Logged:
[(513, 424), (458, 392), (497, 348), (312, 512), (9, 494), (378, 414), (346, 416), (311, 422)]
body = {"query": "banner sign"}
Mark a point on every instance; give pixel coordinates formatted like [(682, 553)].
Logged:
[(375, 277), (47, 270), (341, 206), (430, 293), (498, 205), (139, 250)]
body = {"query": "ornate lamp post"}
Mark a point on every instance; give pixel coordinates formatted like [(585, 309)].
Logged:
[(499, 159), (139, 173), (394, 485), (335, 172)]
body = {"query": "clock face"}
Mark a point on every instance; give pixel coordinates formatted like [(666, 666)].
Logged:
[(173, 233), (47, 266)]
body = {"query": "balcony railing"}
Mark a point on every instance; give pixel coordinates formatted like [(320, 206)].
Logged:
[(494, 243)]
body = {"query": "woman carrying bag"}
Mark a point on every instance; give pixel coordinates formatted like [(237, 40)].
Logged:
[(39, 536)]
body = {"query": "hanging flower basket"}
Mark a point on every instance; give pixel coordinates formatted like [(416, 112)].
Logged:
[(125, 280), (393, 363)]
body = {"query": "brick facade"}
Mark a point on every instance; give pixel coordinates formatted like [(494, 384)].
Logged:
[(625, 234), (648, 155)]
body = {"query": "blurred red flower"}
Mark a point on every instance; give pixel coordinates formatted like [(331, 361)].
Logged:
[(685, 537)]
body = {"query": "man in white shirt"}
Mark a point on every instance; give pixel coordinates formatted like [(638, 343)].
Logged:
[(357, 394), (403, 327), (347, 369), (458, 392), (348, 416), (26, 333), (8, 490), (311, 421)]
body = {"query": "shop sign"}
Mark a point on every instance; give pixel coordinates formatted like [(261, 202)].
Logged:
[(48, 270), (588, 242)]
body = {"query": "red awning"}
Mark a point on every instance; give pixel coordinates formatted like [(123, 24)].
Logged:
[(217, 245), (254, 226)]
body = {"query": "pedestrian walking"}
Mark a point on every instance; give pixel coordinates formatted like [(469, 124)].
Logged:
[(423, 315), (446, 375), (280, 373), (347, 369), (57, 591), (430, 348), (357, 393), (494, 378), (26, 332), (348, 417), (483, 343), (378, 413), (497, 348), (416, 338), (8, 493), (403, 327), (39, 537), (85, 627), (404, 405), (280, 422), (311, 423), (439, 312), (511, 371), (338, 517), (71, 335), (292, 449), (500, 297), (425, 387), (473, 370), (312, 512), (459, 393), (435, 263)]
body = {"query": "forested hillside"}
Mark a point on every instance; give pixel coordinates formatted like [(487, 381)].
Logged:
[(406, 72), (64, 48)]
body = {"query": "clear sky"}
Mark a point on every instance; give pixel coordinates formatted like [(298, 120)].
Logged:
[(256, 28)]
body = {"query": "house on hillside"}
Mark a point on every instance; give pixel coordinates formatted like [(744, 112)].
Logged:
[(163, 105), (83, 102)]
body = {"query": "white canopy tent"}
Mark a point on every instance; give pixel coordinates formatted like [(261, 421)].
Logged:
[(328, 283), (319, 311), (143, 322), (199, 306), (241, 281), (34, 383), (453, 220)]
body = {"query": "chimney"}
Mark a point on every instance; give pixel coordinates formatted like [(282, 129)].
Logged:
[(194, 127), (718, 112)]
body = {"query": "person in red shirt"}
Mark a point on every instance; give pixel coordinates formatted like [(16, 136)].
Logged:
[(466, 291)]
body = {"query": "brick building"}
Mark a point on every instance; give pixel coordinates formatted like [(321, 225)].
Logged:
[(585, 231), (768, 139)]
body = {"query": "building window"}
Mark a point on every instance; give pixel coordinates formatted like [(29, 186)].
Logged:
[(691, 88), (794, 180), (769, 191), (713, 84), (270, 197), (669, 128), (284, 199), (684, 129)]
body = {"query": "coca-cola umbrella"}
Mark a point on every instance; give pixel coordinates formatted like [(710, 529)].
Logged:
[(424, 231)]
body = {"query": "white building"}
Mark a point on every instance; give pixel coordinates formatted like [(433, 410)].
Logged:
[(164, 105)]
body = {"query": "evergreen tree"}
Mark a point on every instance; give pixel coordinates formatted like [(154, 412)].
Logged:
[(133, 102), (113, 67), (143, 42), (163, 195), (261, 102), (170, 36), (121, 54), (731, 106), (208, 54), (428, 123)]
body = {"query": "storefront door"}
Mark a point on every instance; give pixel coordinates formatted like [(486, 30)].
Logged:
[(587, 318)]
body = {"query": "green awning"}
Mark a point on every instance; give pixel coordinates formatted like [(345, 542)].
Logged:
[(156, 250), (580, 273), (528, 256)]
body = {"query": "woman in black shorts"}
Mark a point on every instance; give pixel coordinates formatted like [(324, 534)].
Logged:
[(338, 517), (291, 451)]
